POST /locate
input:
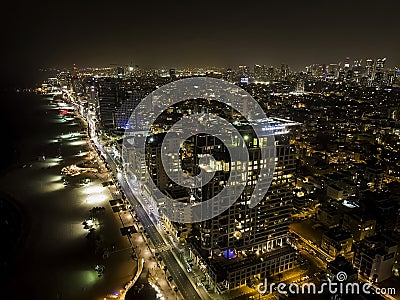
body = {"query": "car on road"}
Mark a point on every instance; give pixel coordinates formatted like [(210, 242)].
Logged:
[(170, 278)]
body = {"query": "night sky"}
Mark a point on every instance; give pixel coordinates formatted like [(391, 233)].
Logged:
[(196, 33)]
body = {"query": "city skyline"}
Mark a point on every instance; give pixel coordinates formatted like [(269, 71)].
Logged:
[(353, 61), (178, 34)]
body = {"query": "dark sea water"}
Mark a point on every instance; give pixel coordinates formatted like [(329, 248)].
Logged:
[(23, 127), (11, 220), (26, 125)]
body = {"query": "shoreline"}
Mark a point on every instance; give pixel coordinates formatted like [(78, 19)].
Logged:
[(52, 247)]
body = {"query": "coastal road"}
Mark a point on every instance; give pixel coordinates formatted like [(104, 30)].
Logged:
[(183, 283), (180, 278), (185, 286)]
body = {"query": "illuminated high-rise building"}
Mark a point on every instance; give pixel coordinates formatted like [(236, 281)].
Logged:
[(260, 72), (271, 74), (380, 64), (243, 74), (369, 66), (243, 245), (109, 99), (347, 64), (284, 71), (379, 70), (125, 108)]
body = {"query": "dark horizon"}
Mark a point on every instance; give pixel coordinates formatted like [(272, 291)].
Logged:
[(177, 34)]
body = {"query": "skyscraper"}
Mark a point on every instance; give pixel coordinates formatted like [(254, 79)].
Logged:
[(369, 67), (244, 245), (244, 73), (379, 70), (123, 112), (108, 102), (284, 71), (259, 73)]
